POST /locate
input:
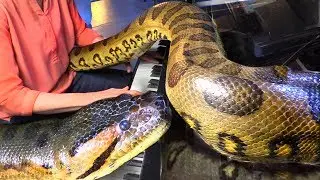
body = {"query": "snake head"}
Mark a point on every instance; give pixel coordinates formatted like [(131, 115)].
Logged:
[(110, 132), (147, 119)]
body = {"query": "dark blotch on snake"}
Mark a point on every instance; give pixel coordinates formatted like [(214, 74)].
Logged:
[(126, 28), (172, 11), (194, 120), (156, 11), (97, 59), (177, 39), (176, 72), (42, 140), (31, 131), (9, 133), (143, 17), (116, 36), (100, 161), (240, 145), (183, 27), (291, 141), (91, 47), (76, 51), (230, 69), (57, 125), (199, 51), (212, 62), (201, 37), (82, 62), (105, 42), (196, 16), (233, 95)]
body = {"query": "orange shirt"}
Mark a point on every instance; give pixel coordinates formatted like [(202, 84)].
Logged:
[(34, 48)]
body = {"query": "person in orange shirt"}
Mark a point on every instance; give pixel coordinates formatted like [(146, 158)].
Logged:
[(36, 37)]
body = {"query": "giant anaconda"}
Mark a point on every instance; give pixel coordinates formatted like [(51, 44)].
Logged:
[(86, 145), (262, 114)]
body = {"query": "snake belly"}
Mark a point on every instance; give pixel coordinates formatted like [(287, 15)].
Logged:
[(259, 114), (88, 144)]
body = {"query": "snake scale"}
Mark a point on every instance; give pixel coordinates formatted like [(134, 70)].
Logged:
[(258, 114)]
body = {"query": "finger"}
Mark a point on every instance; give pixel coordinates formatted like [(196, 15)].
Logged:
[(133, 93), (97, 39), (154, 54), (125, 88), (128, 67), (148, 59)]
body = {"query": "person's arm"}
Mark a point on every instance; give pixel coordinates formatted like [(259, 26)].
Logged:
[(84, 35), (15, 99), (49, 103), (18, 100)]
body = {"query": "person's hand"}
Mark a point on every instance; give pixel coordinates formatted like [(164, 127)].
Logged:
[(149, 56), (113, 92), (97, 39)]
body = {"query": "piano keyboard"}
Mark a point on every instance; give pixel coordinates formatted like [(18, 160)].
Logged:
[(146, 78), (148, 74), (131, 170)]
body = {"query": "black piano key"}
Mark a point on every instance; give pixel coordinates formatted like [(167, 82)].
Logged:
[(131, 176), (141, 155), (154, 81), (135, 163), (152, 86), (156, 71), (162, 50), (157, 68), (164, 43), (155, 74)]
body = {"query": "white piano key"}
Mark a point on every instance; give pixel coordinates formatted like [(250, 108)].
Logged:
[(143, 76), (155, 46), (125, 169), (121, 171), (139, 157)]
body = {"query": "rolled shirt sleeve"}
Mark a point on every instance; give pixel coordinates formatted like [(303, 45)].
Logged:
[(15, 98)]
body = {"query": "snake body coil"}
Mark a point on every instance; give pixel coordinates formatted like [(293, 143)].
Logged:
[(260, 114)]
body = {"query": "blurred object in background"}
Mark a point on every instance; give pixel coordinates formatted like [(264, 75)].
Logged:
[(267, 32), (84, 8)]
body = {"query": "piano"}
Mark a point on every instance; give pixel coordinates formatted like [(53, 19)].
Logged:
[(147, 77)]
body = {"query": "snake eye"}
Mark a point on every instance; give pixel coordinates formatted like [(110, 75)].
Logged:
[(124, 125)]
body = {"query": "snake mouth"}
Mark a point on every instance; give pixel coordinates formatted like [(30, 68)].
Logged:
[(148, 119)]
